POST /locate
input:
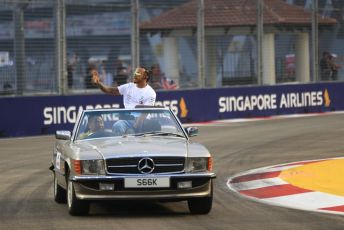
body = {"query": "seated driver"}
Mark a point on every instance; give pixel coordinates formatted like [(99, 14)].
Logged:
[(95, 124)]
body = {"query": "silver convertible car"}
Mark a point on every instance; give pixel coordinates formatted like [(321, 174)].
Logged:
[(138, 154)]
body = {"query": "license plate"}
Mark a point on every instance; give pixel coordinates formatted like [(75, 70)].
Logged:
[(147, 182)]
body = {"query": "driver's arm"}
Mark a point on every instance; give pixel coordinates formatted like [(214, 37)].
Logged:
[(106, 89)]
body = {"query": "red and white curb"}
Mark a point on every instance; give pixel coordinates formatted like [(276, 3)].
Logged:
[(264, 185)]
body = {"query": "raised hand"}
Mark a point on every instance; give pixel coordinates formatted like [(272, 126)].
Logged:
[(95, 77)]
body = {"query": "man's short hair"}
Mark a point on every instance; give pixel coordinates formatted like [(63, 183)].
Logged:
[(147, 71)]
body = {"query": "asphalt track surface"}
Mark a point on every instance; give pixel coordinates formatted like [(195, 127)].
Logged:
[(26, 192)]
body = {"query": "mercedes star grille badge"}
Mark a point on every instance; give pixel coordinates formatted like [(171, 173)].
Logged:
[(146, 165)]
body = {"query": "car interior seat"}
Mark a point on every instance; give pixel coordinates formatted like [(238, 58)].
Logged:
[(151, 125)]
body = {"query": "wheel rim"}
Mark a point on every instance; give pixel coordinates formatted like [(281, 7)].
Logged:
[(70, 194)]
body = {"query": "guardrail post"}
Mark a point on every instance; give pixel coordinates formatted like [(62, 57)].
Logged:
[(135, 34), (260, 35), (19, 47), (200, 43), (315, 41), (60, 47)]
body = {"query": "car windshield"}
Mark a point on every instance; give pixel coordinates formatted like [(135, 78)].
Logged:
[(112, 123)]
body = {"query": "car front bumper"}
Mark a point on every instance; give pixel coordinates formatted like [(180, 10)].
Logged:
[(87, 187)]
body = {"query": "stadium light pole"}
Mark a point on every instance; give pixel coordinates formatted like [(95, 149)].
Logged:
[(315, 41), (200, 44), (135, 34)]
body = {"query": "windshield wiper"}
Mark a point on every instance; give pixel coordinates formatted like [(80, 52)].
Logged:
[(159, 133)]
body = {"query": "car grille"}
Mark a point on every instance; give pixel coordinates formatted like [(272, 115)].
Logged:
[(130, 165)]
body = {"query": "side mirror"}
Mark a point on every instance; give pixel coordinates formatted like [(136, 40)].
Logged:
[(63, 135), (191, 131)]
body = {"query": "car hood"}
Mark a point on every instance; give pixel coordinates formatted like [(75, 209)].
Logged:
[(135, 146)]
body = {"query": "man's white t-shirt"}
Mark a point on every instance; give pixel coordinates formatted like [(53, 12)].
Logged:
[(133, 96)]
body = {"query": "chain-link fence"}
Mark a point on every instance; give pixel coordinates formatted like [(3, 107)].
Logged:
[(50, 46)]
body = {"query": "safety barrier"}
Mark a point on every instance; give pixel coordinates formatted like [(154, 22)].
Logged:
[(26, 116)]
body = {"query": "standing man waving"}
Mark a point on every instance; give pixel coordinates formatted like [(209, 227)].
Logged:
[(134, 93)]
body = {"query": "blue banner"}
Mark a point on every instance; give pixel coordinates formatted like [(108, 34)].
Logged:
[(24, 116)]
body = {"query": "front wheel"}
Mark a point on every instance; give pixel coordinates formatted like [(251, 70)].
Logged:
[(59, 192), (75, 207), (201, 205)]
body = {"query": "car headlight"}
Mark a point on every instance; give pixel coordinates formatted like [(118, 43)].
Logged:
[(199, 164), (93, 167)]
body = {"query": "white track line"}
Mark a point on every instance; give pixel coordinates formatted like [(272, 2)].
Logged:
[(258, 183), (307, 201), (239, 120)]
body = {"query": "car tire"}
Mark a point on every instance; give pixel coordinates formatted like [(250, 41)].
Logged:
[(76, 207), (59, 192), (201, 205)]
